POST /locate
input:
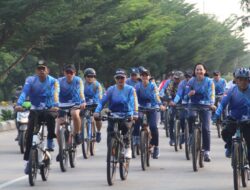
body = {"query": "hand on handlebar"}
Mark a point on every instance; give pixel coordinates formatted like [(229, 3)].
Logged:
[(213, 107), (82, 106), (171, 103), (162, 108), (191, 93), (18, 108), (54, 109), (97, 115)]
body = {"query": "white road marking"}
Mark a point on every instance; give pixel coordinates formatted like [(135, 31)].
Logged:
[(8, 183)]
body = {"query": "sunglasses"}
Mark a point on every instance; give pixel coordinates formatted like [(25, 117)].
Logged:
[(120, 78), (69, 72), (90, 76)]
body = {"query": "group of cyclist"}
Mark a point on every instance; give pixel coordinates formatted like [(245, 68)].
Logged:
[(192, 87)]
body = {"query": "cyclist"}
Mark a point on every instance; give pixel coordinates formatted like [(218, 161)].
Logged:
[(134, 77), (93, 92), (148, 96), (238, 101), (71, 91), (168, 92), (180, 98), (120, 98), (132, 81), (43, 91), (201, 91), (231, 83)]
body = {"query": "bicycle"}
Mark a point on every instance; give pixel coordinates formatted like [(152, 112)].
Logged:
[(166, 121), (39, 157), (196, 137), (67, 145), (219, 121), (145, 137), (88, 131), (116, 146), (239, 160), (177, 126)]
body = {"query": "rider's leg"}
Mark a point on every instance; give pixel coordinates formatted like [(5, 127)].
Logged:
[(98, 123), (49, 118), (206, 138), (75, 114)]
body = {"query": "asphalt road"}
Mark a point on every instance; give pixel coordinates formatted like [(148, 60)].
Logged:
[(171, 171)]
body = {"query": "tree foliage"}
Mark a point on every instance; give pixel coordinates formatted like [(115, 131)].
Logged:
[(107, 34)]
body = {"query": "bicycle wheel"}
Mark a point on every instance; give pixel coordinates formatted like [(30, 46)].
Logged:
[(195, 149), (33, 166), (166, 123), (176, 134), (45, 167), (187, 141), (218, 129), (200, 152), (244, 163), (148, 151), (63, 152), (236, 166), (112, 157), (86, 141), (22, 141), (72, 154), (124, 166), (144, 150), (92, 142)]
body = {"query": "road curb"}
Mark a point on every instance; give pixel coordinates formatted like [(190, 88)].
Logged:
[(7, 125)]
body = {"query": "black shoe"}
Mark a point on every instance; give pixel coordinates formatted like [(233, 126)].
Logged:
[(78, 139), (207, 158)]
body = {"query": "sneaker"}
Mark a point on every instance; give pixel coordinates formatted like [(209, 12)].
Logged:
[(156, 152), (98, 137), (58, 158), (207, 158), (171, 142), (50, 145), (228, 153), (128, 153), (26, 168), (78, 138)]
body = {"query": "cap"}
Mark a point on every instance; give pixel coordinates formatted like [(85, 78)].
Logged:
[(120, 72), (41, 63), (69, 68)]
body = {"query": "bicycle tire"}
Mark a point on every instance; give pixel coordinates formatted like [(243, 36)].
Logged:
[(244, 162), (124, 168), (176, 135), (111, 160), (63, 152), (92, 143), (194, 148), (187, 141), (148, 151), (45, 167), (218, 130), (143, 147), (22, 141), (33, 166), (85, 141), (72, 157), (236, 166), (166, 123), (201, 152)]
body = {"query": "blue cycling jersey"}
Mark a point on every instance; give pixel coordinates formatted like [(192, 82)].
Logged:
[(238, 103), (93, 92), (220, 86), (163, 89), (148, 96), (71, 92), (131, 82), (181, 91), (120, 100), (204, 91), (41, 93)]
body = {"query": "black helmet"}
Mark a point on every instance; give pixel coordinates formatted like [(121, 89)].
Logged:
[(120, 73), (216, 73), (178, 75), (41, 63), (135, 71), (242, 73), (188, 73), (89, 72), (144, 70)]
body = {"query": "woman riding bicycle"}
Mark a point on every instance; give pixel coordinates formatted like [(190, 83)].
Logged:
[(121, 99), (148, 96), (201, 92)]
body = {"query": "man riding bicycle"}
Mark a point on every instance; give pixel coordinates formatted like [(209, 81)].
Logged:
[(71, 91), (120, 98), (43, 91), (93, 93), (148, 96), (238, 101)]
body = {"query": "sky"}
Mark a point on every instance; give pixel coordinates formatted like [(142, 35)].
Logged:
[(222, 9)]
